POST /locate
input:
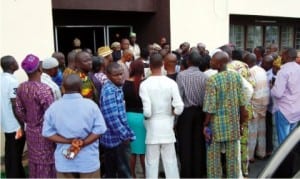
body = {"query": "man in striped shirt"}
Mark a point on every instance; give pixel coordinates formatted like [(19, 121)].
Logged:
[(191, 83)]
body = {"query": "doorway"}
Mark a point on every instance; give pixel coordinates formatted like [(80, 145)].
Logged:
[(91, 37)]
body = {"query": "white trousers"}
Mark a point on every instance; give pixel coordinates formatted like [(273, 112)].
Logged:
[(169, 160)]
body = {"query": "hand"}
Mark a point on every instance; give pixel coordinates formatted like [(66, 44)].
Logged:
[(74, 149), (206, 135), (19, 134)]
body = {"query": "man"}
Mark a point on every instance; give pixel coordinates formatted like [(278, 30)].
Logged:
[(191, 83), (50, 69), (64, 122), (126, 58), (83, 62), (223, 102), (134, 47), (71, 64), (106, 53), (170, 62), (267, 65), (259, 52), (14, 139), (286, 92), (125, 44), (62, 65), (33, 98), (160, 114), (118, 135), (259, 101)]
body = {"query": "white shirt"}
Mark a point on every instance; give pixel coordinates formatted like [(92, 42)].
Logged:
[(160, 95), (9, 85), (45, 78), (136, 50)]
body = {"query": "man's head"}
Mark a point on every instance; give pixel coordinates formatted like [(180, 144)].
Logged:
[(201, 48), (219, 61), (72, 84), (289, 55), (31, 65), (50, 66), (259, 51), (250, 59), (194, 59), (272, 48), (125, 44), (83, 61), (228, 50), (71, 58), (170, 62), (156, 61), (132, 38), (60, 57), (127, 55), (267, 62), (9, 64), (185, 47), (115, 72), (98, 64), (163, 40)]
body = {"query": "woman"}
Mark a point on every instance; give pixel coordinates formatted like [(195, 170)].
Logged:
[(135, 115)]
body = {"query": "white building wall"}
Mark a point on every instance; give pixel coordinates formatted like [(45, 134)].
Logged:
[(207, 21), (25, 27)]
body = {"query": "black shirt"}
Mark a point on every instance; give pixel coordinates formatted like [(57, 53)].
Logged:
[(132, 100)]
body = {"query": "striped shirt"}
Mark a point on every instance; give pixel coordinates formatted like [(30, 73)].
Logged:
[(191, 83)]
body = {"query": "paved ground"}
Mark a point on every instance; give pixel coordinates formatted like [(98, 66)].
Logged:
[(255, 167)]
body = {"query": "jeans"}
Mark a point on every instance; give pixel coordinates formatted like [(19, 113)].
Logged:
[(116, 161), (284, 128)]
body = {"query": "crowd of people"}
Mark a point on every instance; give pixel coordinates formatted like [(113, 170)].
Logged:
[(207, 114)]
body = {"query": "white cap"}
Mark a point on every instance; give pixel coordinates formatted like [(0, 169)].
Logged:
[(50, 63)]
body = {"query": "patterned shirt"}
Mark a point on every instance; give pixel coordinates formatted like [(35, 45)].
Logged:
[(223, 98), (113, 110), (243, 69), (191, 83)]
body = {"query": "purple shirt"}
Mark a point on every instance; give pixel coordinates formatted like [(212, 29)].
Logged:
[(286, 91)]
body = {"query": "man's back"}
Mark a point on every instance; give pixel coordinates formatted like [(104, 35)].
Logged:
[(223, 98), (159, 94), (75, 117)]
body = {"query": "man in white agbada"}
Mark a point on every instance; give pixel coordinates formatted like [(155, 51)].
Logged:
[(161, 102)]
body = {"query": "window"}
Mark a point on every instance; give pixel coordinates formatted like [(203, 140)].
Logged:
[(287, 33), (237, 35), (297, 38), (254, 36), (272, 35)]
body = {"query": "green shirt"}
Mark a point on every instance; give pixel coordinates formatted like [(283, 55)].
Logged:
[(223, 98)]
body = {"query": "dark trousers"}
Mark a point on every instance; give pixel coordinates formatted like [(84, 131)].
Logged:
[(13, 156), (269, 132), (116, 161), (191, 142)]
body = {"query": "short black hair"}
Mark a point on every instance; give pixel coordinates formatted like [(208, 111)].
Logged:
[(204, 63), (261, 50), (112, 66), (194, 58), (156, 60), (237, 55), (6, 62), (97, 63), (291, 53)]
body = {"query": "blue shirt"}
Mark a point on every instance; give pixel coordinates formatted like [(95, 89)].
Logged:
[(73, 116), (58, 78), (113, 109)]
